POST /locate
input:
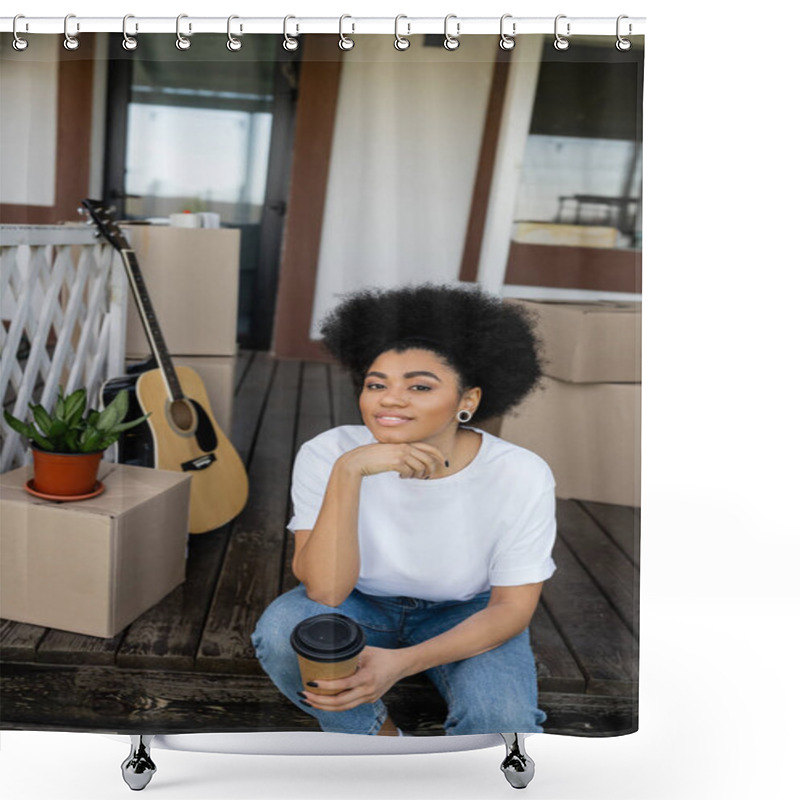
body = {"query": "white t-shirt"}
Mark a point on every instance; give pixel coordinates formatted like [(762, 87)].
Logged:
[(490, 524)]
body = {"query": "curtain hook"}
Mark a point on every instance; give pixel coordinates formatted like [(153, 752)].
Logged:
[(233, 43), (71, 42), (344, 42), (290, 43), (451, 42), (400, 42), (182, 43), (129, 42), (623, 44), (19, 44), (507, 42), (561, 43)]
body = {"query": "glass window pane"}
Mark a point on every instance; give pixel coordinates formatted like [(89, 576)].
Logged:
[(199, 125), (583, 157)]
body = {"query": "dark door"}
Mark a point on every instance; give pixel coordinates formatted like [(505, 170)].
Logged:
[(206, 129)]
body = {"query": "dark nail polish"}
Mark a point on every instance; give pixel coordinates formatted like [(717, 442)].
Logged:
[(300, 694), (312, 683), (447, 464), (306, 704)]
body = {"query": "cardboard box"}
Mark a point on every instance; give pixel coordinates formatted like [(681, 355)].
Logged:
[(192, 277), (92, 566), (597, 342), (589, 434)]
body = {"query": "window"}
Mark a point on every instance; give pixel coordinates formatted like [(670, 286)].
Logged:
[(199, 129), (582, 170)]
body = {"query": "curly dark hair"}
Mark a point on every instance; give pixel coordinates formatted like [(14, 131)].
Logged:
[(489, 343)]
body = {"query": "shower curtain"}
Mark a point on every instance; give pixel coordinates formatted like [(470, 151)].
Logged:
[(262, 186)]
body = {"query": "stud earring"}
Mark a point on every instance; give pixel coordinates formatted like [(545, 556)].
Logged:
[(464, 416)]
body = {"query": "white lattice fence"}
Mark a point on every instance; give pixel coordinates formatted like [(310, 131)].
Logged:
[(63, 298)]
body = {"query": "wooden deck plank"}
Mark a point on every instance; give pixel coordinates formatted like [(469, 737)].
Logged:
[(18, 640), (343, 398), (557, 670), (621, 523), (588, 715), (248, 402), (314, 416), (250, 576), (243, 360), (167, 636), (600, 641), (64, 647), (611, 569), (114, 700)]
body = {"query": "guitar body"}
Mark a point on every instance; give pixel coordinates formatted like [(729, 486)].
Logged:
[(181, 434), (187, 438)]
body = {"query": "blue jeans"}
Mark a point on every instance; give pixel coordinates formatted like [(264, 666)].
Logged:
[(494, 692)]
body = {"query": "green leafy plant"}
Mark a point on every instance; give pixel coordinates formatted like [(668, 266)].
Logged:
[(73, 429)]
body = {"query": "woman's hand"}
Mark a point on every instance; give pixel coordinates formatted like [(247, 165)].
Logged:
[(378, 670), (409, 459)]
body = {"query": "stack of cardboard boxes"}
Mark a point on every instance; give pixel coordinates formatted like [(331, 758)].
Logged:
[(192, 277), (585, 420)]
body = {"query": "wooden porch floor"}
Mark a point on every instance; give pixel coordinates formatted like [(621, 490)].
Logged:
[(187, 665)]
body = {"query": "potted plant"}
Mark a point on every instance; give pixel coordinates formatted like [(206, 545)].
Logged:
[(69, 444)]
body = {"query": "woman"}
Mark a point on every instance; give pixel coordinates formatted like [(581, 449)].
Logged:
[(435, 537)]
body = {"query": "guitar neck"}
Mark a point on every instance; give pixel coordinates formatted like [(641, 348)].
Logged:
[(151, 327)]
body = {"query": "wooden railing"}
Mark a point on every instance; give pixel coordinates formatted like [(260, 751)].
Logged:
[(63, 300)]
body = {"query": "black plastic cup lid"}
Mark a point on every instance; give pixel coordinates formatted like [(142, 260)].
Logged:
[(328, 638)]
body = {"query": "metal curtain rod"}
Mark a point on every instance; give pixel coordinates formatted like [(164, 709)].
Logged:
[(409, 26)]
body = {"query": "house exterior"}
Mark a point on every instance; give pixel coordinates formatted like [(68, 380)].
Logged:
[(395, 167)]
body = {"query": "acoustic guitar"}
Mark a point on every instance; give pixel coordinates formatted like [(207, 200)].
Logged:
[(181, 433)]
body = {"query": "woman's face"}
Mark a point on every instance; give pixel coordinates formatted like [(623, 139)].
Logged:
[(413, 396)]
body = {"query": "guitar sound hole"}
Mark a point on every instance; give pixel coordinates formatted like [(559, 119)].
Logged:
[(182, 415)]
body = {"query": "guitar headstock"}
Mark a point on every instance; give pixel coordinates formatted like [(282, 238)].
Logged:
[(101, 216)]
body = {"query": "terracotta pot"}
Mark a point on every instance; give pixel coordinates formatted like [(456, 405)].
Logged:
[(67, 474)]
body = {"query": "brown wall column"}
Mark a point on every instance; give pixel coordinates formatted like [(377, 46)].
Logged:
[(316, 113), (73, 141), (486, 162)]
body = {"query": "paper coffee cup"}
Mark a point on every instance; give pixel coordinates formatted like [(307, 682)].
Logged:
[(327, 648)]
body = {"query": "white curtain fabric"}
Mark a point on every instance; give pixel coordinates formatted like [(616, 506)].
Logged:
[(405, 151)]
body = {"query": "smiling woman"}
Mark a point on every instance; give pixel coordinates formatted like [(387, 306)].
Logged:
[(443, 570), (415, 396)]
